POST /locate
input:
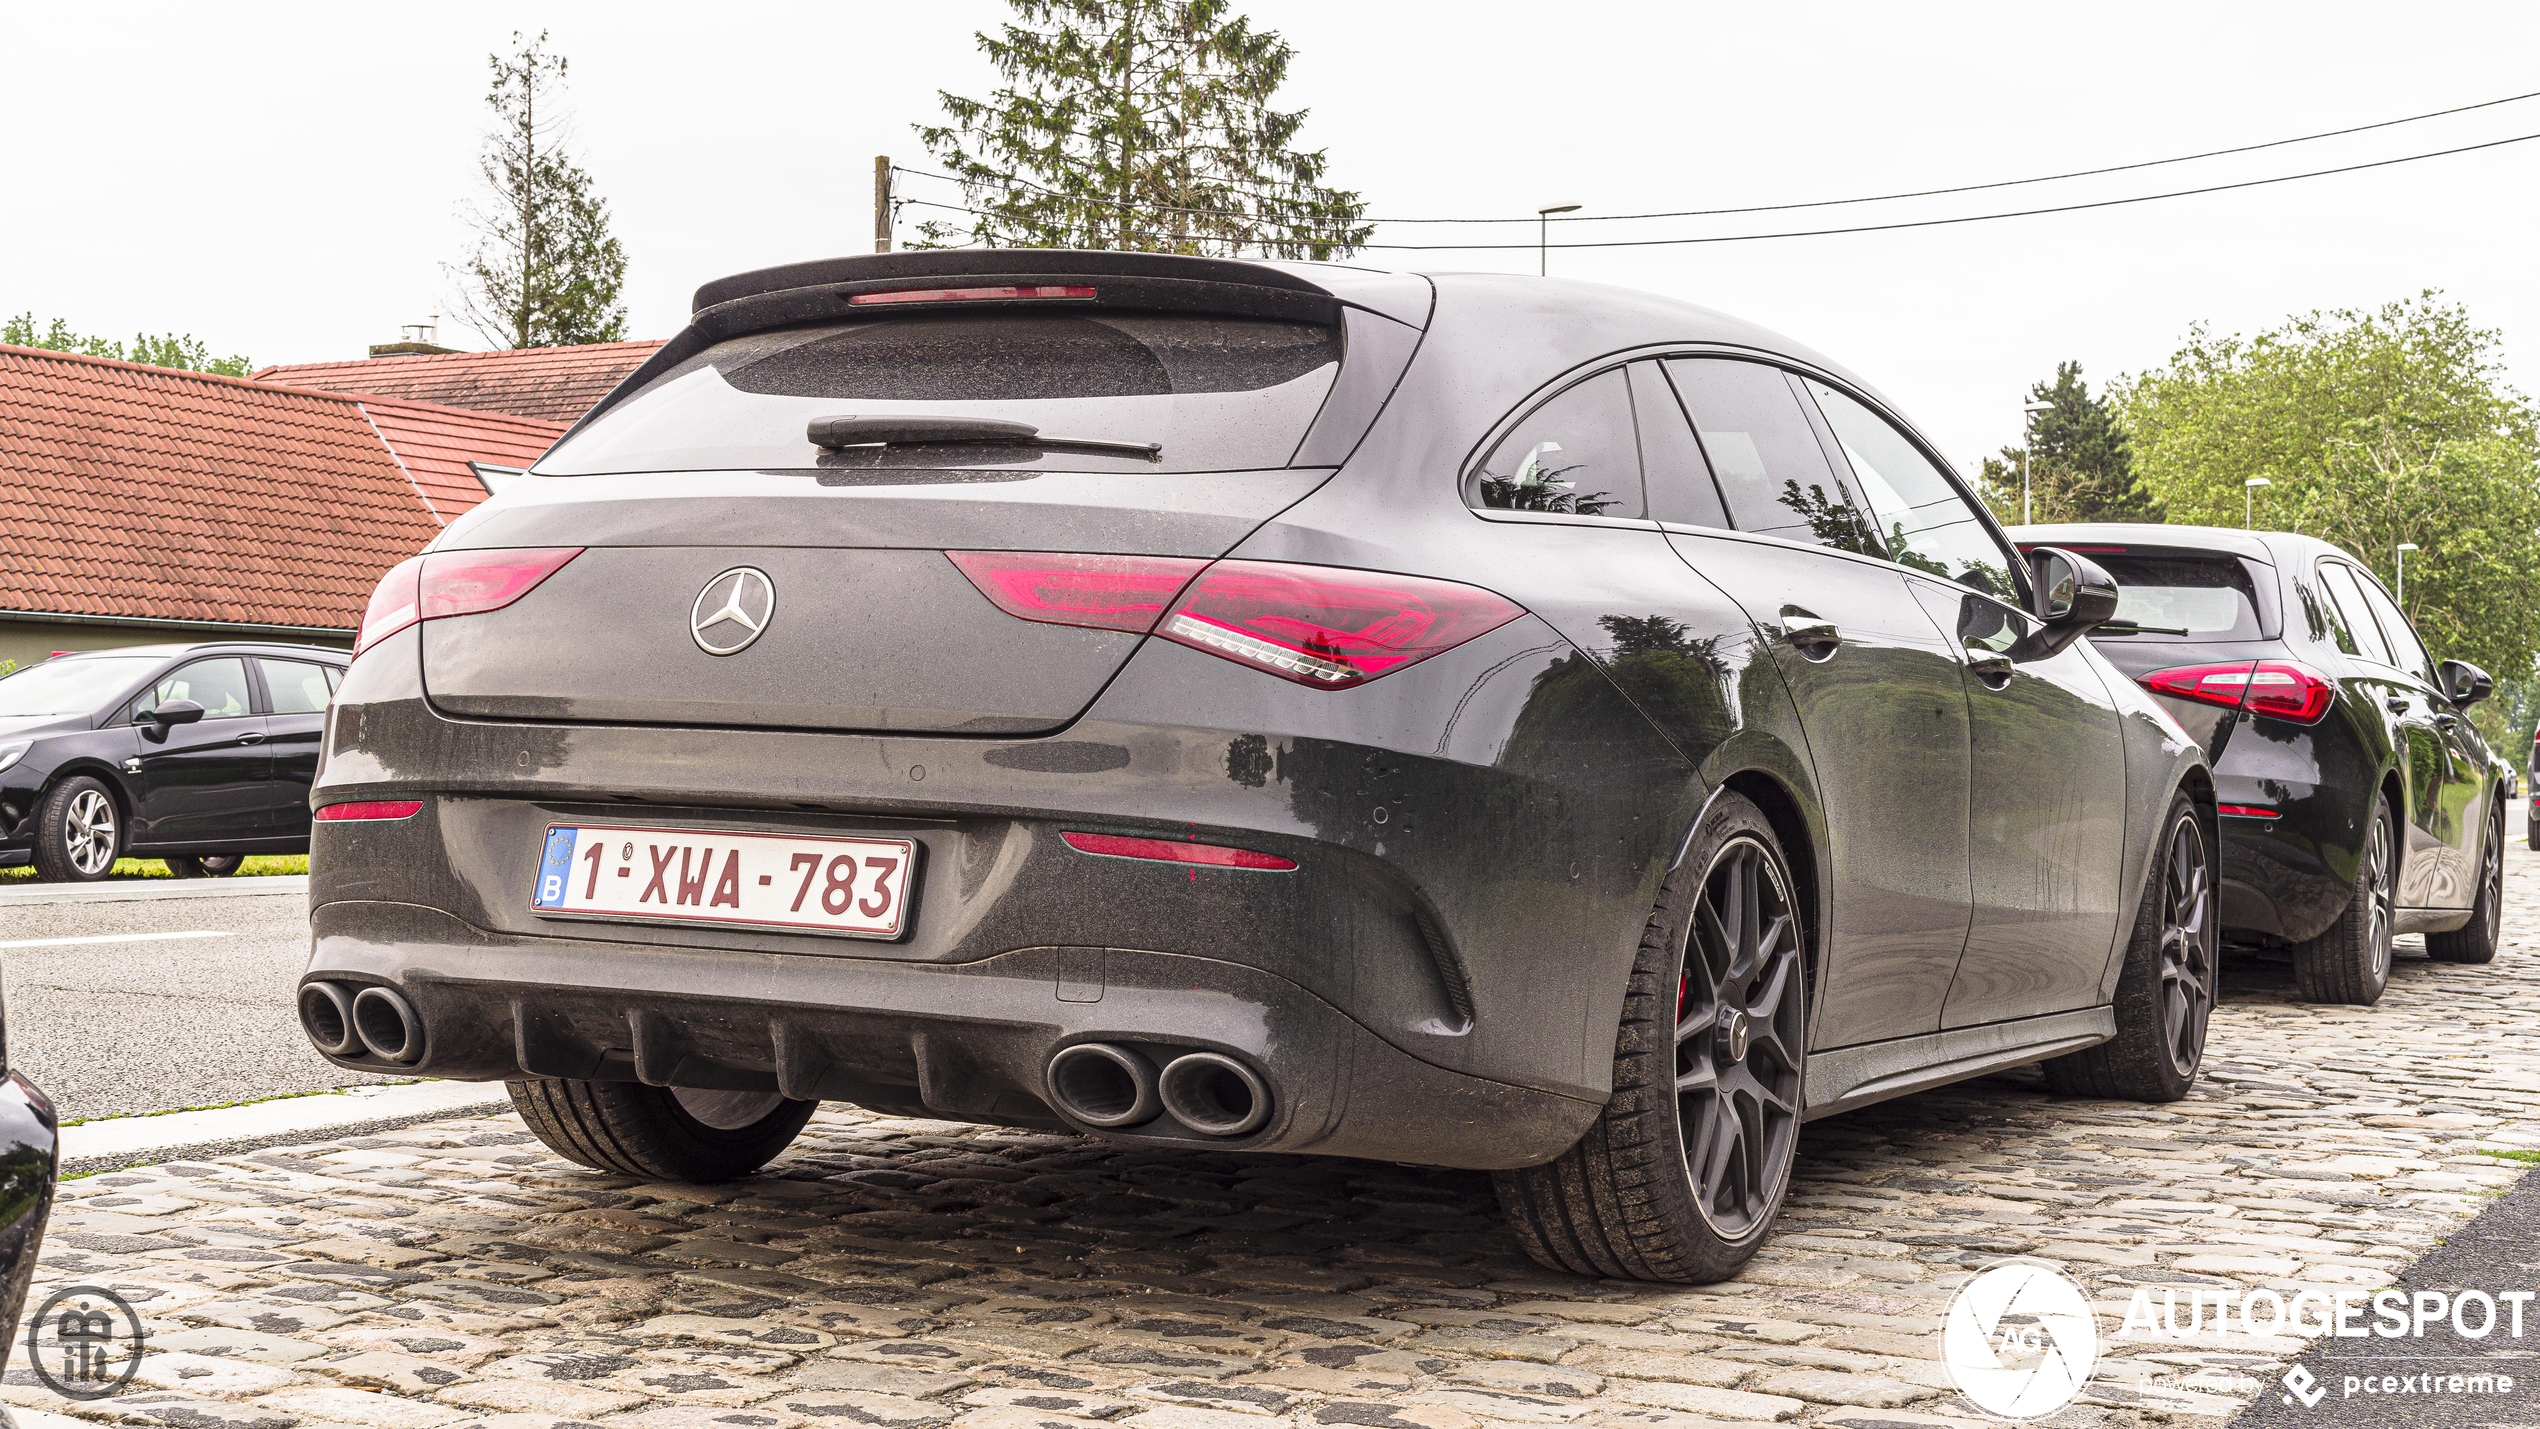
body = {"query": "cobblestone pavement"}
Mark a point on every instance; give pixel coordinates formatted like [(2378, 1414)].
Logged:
[(907, 1274)]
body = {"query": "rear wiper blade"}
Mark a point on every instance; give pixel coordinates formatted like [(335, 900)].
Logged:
[(2128, 627), (836, 432)]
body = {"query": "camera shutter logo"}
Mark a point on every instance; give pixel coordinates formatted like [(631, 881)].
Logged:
[(732, 611), (2020, 1341), (96, 1342)]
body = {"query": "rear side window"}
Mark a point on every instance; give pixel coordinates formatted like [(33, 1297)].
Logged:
[(1575, 455), (2339, 581), (1219, 393), (2210, 596), (1922, 519), (1679, 480), (1771, 468), (296, 686), (2406, 651)]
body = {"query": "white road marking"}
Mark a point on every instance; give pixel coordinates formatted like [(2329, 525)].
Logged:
[(108, 938)]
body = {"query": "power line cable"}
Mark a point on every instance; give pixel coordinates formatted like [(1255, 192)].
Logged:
[(1811, 203)]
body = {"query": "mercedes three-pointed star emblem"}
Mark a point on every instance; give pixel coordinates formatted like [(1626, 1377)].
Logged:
[(732, 611)]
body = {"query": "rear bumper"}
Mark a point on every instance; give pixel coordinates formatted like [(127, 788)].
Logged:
[(2290, 876)]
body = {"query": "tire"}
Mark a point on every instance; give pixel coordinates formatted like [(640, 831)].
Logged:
[(78, 832), (2165, 993), (2476, 941), (2531, 832), (2350, 961), (1683, 1174), (660, 1133), (207, 865)]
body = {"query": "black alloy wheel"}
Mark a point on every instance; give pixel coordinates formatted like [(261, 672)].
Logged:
[(1738, 1018), (2350, 961), (1682, 1175), (2477, 940), (2166, 989)]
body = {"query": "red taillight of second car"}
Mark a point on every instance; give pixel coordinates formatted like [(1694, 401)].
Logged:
[(2278, 689), (370, 811), (1326, 627), (448, 583), (1063, 588)]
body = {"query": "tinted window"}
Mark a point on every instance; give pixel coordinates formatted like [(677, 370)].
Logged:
[(1679, 480), (1220, 393), (296, 687), (219, 686), (2407, 652), (1574, 455), (2211, 597), (1922, 520), (2325, 622), (1771, 469), (71, 687), (2339, 581)]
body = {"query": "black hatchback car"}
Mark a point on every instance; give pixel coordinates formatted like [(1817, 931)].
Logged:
[(197, 754), (2357, 801), (1474, 721)]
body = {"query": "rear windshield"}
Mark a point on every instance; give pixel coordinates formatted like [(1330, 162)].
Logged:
[(70, 687), (2210, 597), (1220, 393)]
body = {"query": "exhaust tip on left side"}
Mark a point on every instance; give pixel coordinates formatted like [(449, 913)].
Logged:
[(388, 1025), (326, 1014)]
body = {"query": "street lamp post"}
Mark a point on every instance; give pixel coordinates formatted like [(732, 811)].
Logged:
[(1543, 234), (2249, 500), (2028, 429), (2404, 548)]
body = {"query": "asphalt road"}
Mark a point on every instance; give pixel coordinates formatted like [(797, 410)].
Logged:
[(148, 1021)]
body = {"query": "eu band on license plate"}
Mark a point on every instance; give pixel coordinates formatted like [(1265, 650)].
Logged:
[(853, 887)]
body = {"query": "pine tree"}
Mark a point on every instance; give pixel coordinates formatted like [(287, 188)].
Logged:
[(2081, 462), (546, 271), (1138, 124)]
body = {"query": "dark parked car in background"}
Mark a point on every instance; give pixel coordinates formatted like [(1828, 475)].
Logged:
[(1472, 721), (2358, 801), (30, 1162), (197, 754)]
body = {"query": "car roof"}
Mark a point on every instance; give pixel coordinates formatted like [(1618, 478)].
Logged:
[(2274, 548), (223, 647)]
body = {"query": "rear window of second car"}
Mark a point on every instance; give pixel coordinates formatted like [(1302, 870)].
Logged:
[(1219, 393), (2209, 595)]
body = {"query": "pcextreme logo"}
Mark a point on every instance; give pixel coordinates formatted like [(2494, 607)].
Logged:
[(2019, 1340)]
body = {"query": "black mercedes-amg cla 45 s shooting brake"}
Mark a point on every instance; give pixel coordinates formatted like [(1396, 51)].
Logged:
[(2358, 802), (1474, 721)]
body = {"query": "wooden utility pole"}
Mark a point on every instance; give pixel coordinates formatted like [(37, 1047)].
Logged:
[(881, 203)]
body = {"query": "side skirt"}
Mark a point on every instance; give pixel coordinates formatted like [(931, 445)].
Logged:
[(1850, 1077)]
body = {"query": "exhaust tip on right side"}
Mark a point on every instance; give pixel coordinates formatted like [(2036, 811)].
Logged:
[(1214, 1094), (387, 1025)]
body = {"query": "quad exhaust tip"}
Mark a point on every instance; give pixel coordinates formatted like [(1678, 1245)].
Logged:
[(1213, 1094), (1103, 1085), (388, 1026), (326, 1014)]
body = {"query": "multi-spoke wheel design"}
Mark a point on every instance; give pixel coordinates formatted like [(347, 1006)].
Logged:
[(2350, 960), (2377, 887), (2477, 940), (1739, 1024), (88, 832), (78, 832), (2187, 945)]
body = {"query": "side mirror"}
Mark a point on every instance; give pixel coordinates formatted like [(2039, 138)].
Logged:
[(2073, 597), (2464, 683), (168, 716)]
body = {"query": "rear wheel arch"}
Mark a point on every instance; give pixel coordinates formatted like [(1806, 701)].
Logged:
[(1802, 851), (90, 767)]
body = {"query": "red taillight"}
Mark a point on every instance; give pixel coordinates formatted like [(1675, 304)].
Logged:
[(2278, 689), (374, 810), (1326, 627), (449, 583), (1099, 592), (1169, 851), (2246, 811), (972, 295)]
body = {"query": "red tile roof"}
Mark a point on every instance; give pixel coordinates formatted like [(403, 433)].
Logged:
[(555, 384), (153, 494)]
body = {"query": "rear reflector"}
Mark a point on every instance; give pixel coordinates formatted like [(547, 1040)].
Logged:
[(375, 810), (447, 583), (1169, 851), (972, 295), (2279, 689), (2246, 811), (1097, 592), (1326, 627)]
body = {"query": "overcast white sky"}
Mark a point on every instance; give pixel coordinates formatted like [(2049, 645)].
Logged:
[(285, 180)]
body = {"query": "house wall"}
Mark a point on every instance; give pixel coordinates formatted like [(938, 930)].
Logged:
[(28, 641)]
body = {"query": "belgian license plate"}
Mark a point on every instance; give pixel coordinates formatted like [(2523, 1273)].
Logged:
[(857, 888)]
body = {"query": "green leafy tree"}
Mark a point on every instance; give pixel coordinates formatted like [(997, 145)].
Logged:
[(2372, 428), (545, 271), (2082, 462), (183, 352), (1138, 124)]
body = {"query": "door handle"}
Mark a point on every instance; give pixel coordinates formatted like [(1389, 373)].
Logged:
[(2446, 721), (1994, 670), (251, 739), (2396, 704), (1817, 639)]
